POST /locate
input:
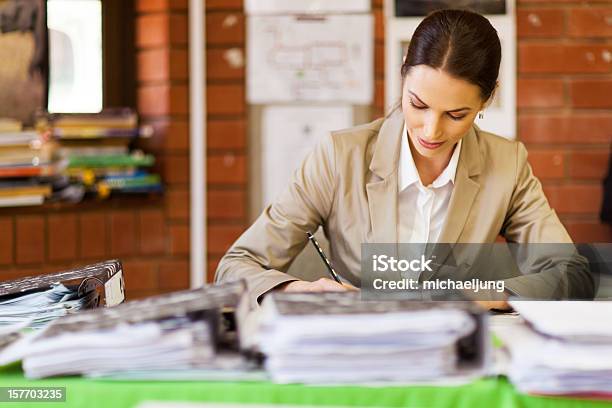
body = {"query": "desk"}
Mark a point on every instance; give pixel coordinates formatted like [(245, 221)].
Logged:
[(82, 392)]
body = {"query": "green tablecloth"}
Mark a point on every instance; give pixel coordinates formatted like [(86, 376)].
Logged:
[(82, 392)]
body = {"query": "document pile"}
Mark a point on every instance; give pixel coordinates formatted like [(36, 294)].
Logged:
[(38, 300), (562, 347), (39, 308), (181, 330), (338, 338)]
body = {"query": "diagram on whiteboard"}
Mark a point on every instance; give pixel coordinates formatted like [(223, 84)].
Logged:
[(310, 59)]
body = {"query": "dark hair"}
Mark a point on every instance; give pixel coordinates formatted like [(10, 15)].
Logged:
[(462, 43)]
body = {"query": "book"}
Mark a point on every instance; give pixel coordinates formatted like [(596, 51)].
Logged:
[(106, 278), (336, 337), (173, 332), (560, 348)]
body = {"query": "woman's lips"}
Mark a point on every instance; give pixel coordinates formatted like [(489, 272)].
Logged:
[(429, 145)]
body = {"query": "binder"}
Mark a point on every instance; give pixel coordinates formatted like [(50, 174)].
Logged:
[(106, 278)]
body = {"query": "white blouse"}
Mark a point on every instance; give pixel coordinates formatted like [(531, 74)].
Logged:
[(422, 209)]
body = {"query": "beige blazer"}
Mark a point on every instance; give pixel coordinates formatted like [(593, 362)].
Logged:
[(349, 185)]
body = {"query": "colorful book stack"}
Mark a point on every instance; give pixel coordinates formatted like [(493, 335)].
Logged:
[(97, 151), (26, 165)]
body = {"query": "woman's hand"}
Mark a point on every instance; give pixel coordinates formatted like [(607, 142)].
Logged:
[(493, 304), (321, 285)]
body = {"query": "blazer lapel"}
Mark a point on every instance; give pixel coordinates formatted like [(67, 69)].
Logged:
[(382, 189)]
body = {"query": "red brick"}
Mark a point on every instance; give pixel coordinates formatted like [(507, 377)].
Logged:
[(540, 93), (148, 6), (62, 238), (379, 24), (562, 58), (379, 94), (7, 243), (30, 239), (589, 164), (584, 128), (140, 275), (211, 267), (226, 134), (221, 237), (161, 29), (228, 168), (224, 5), (591, 93), (225, 63), (93, 236), (547, 164), (575, 199), (152, 232), (170, 135), (175, 168), (590, 22), (179, 239), (177, 203), (122, 234), (589, 232), (225, 28), (154, 99), (179, 29), (226, 205), (152, 30), (537, 22), (379, 60), (162, 64), (225, 99), (163, 99), (174, 274)]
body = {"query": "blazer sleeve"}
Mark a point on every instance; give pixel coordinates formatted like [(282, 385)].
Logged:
[(550, 263), (264, 252)]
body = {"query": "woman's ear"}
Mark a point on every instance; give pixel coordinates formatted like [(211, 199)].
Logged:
[(490, 100)]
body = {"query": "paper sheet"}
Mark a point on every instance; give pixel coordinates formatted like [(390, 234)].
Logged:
[(294, 58), (288, 134), (305, 6)]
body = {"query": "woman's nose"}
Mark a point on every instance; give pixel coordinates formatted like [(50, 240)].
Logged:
[(433, 131)]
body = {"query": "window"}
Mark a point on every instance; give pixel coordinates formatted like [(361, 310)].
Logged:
[(75, 55)]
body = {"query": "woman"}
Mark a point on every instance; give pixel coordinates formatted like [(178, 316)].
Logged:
[(425, 173)]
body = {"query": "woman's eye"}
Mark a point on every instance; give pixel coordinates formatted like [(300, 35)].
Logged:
[(417, 106), (456, 117)]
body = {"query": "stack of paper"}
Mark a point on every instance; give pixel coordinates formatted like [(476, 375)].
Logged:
[(177, 331), (39, 308), (338, 338), (562, 348)]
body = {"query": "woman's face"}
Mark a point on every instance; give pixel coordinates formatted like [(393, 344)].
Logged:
[(438, 109)]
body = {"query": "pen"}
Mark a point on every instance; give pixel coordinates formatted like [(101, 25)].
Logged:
[(330, 268)]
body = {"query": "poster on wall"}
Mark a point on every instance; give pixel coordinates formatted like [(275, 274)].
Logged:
[(288, 134), (305, 6), (24, 56), (308, 58), (409, 8)]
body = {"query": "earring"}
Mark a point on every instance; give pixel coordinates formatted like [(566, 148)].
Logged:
[(480, 115)]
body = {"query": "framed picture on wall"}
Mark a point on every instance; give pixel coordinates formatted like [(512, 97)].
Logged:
[(500, 116), (24, 56)]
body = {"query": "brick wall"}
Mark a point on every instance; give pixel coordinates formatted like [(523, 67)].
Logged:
[(150, 234), (227, 127), (564, 100)]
